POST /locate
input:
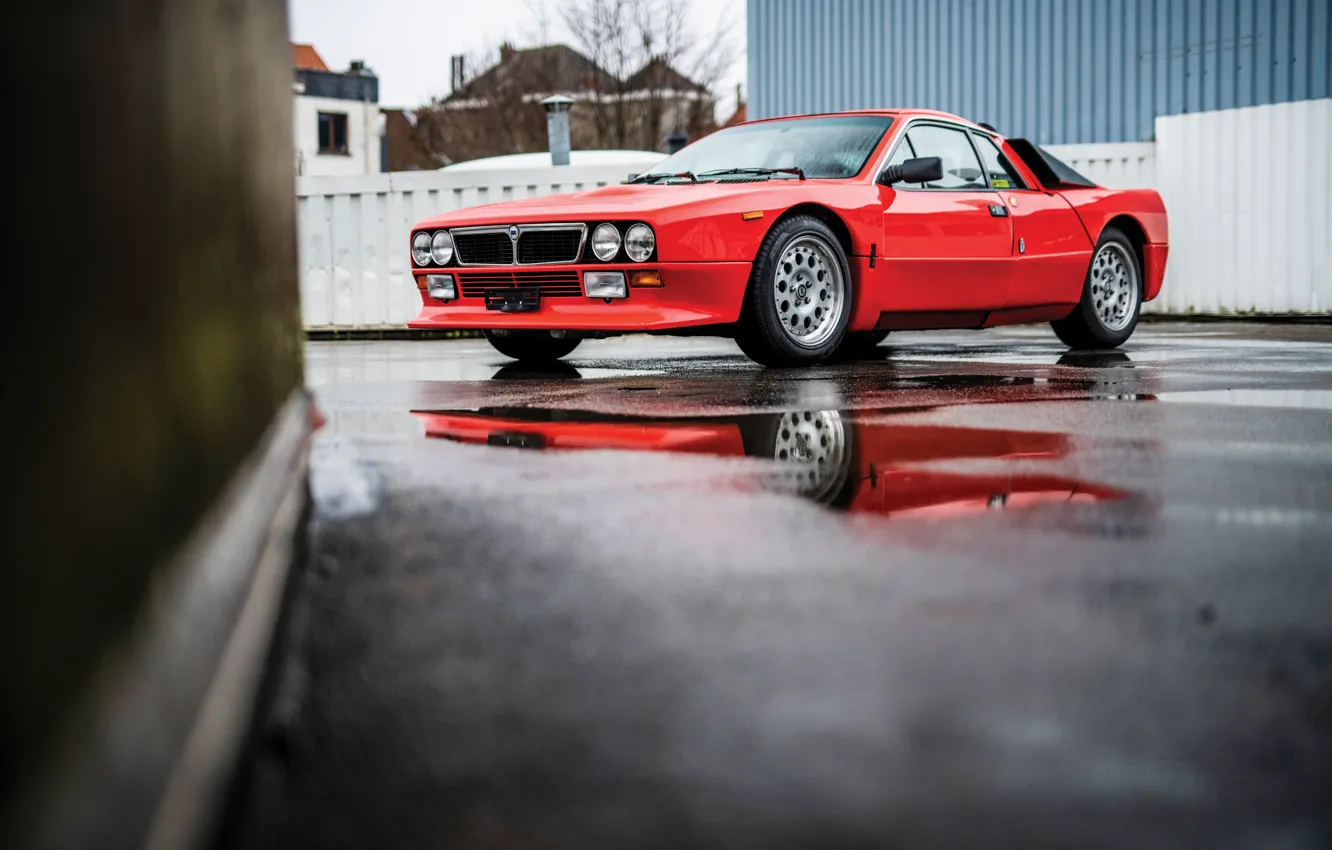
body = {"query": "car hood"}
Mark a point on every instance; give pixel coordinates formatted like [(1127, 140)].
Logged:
[(626, 201)]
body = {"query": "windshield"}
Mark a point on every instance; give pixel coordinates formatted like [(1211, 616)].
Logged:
[(835, 146)]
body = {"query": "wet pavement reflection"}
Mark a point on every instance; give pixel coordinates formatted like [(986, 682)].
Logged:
[(857, 461), (657, 596)]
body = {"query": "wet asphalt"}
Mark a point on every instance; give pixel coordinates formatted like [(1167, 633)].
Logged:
[(975, 591)]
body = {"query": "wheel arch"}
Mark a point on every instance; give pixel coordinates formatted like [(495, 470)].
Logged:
[(824, 214), (1137, 237)]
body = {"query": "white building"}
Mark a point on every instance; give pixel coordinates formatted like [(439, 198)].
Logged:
[(336, 118)]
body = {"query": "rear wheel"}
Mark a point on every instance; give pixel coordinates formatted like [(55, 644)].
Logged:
[(1111, 297), (530, 346), (799, 297)]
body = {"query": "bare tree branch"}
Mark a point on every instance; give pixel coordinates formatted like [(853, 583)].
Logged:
[(652, 55), (640, 73)]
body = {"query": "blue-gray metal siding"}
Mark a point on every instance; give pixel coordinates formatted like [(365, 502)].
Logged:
[(1061, 71)]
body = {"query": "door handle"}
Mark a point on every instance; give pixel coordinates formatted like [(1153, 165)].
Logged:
[(998, 210)]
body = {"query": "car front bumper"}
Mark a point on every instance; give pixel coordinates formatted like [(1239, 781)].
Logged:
[(692, 294)]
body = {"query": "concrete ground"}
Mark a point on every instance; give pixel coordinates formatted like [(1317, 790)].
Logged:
[(974, 592)]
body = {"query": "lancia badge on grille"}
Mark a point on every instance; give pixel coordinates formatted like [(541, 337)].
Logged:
[(513, 232)]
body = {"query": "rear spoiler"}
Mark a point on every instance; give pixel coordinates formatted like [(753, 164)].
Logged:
[(1049, 170)]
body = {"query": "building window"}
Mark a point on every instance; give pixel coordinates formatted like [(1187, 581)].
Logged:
[(332, 132)]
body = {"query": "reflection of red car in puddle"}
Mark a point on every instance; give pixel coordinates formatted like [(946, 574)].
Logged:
[(568, 429), (829, 456)]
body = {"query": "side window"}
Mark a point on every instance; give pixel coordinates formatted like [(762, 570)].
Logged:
[(961, 169), (900, 155), (1002, 173)]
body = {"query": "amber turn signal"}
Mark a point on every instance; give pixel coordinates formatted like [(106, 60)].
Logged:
[(645, 279), (420, 282), (750, 216)]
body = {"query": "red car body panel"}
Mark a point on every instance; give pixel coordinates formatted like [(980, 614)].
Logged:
[(1098, 207), (940, 258)]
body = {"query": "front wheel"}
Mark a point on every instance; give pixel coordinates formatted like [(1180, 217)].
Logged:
[(531, 346), (815, 449), (1111, 297), (798, 303)]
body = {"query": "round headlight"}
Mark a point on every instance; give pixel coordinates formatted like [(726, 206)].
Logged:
[(441, 247), (606, 242), (421, 248), (639, 243)]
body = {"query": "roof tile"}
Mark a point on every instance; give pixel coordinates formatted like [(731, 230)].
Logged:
[(304, 56)]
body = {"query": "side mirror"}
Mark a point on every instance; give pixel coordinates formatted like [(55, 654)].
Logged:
[(923, 169), (632, 175)]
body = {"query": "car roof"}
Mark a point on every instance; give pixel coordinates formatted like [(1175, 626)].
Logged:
[(898, 113)]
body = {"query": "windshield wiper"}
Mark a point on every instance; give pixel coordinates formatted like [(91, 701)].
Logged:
[(800, 172), (661, 175)]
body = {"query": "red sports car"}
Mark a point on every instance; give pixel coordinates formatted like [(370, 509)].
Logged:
[(803, 238)]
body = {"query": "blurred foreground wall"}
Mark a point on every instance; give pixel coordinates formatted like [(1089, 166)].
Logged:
[(151, 336)]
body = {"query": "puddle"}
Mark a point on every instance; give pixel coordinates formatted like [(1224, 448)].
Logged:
[(1308, 399), (832, 457)]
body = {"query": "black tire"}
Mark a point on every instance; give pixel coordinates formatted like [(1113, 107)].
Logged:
[(1084, 329), (761, 334), (859, 345), (531, 346)]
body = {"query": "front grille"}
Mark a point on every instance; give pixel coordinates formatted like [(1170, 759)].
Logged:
[(549, 246), (484, 249), (553, 284)]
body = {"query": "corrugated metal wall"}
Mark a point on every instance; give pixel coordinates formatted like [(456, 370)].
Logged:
[(1058, 71)]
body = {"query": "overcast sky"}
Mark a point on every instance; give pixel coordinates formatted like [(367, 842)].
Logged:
[(408, 42)]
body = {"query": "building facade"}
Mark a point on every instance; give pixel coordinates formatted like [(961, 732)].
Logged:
[(497, 111), (335, 116), (1055, 71)]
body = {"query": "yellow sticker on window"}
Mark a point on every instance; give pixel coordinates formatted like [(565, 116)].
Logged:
[(1000, 184)]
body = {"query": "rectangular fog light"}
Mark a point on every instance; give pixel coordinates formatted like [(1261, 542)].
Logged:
[(440, 286), (605, 285)]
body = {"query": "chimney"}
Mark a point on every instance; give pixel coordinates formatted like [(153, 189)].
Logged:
[(557, 127), (357, 67), (675, 141), (506, 52), (457, 73)]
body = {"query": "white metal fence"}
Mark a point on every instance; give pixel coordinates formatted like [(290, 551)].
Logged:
[(1249, 193), (1246, 190), (1126, 165)]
